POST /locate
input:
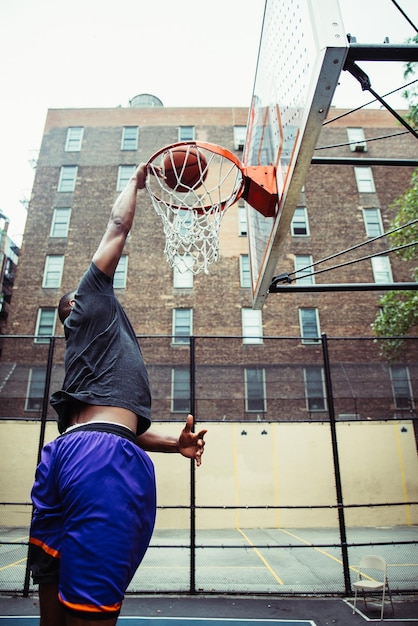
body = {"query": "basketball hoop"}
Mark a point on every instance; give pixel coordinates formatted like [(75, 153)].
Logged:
[(191, 207)]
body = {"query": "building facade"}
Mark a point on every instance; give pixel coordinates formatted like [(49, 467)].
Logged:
[(248, 365), (9, 256)]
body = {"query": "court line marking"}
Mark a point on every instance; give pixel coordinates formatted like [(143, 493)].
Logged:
[(236, 473), (377, 619), (261, 557), (198, 620), (206, 567), (353, 568), (308, 543), (276, 475), (234, 620), (402, 472), (13, 564)]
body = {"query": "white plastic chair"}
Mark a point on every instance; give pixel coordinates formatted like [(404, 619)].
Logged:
[(368, 581)]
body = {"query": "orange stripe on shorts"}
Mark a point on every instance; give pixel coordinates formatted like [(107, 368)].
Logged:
[(45, 547), (91, 608)]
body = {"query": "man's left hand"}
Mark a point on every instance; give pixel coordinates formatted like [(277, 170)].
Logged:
[(191, 444)]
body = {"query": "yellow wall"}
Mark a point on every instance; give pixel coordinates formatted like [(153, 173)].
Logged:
[(290, 465)]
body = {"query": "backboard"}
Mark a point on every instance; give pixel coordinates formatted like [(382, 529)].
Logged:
[(302, 52)]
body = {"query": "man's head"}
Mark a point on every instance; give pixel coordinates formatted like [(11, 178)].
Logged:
[(65, 305)]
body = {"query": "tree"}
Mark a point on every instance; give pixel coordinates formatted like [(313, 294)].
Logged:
[(398, 314), (411, 94)]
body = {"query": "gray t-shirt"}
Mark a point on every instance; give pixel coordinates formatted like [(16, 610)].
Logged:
[(103, 360)]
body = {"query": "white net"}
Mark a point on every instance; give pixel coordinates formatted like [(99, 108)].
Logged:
[(191, 215)]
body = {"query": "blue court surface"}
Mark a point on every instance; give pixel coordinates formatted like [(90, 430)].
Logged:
[(171, 621)]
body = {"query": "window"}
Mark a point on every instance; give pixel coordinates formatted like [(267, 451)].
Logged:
[(300, 224), (242, 221), (180, 390), (252, 326), (314, 388), (60, 222), (382, 272), (255, 390), (186, 133), (54, 264), (74, 139), (10, 266), (357, 140), (244, 270), (240, 134), (45, 325), (4, 305), (183, 222), (401, 388), (364, 179), (68, 176), (36, 389), (309, 325), (303, 269), (263, 137), (182, 325), (121, 272), (129, 138), (182, 275), (372, 222), (124, 174)]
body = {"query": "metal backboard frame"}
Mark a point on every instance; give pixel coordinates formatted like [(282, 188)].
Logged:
[(302, 52)]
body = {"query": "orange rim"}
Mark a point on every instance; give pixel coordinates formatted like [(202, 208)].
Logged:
[(211, 147)]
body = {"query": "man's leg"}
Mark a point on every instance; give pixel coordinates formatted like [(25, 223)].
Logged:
[(51, 609), (53, 613)]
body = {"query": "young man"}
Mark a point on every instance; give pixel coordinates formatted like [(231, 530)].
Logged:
[(94, 490)]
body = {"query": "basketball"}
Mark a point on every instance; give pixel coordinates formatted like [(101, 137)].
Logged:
[(184, 167)]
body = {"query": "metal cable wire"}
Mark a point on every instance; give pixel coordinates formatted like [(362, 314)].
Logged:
[(357, 246), (368, 139), (408, 19), (364, 258), (338, 117)]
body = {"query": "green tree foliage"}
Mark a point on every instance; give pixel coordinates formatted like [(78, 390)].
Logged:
[(399, 309), (411, 94), (398, 314)]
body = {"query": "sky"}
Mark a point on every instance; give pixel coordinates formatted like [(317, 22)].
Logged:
[(90, 53)]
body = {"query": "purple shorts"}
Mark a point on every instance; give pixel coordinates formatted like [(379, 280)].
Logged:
[(94, 512)]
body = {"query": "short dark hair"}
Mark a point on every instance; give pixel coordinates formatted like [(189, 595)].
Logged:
[(64, 308)]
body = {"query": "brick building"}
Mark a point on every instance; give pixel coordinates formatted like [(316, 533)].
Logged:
[(250, 365), (9, 255)]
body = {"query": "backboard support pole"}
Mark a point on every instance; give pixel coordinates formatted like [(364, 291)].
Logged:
[(278, 287), (304, 47), (365, 83)]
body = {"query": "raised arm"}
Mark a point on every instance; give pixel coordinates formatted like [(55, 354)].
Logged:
[(110, 249)]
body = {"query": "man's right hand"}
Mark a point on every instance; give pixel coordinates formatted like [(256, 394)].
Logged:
[(141, 175)]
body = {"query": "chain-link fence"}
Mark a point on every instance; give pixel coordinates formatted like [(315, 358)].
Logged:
[(310, 462)]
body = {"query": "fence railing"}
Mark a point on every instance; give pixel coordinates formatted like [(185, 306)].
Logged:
[(311, 461)]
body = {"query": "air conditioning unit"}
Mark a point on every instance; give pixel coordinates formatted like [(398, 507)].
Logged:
[(360, 147), (348, 416)]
